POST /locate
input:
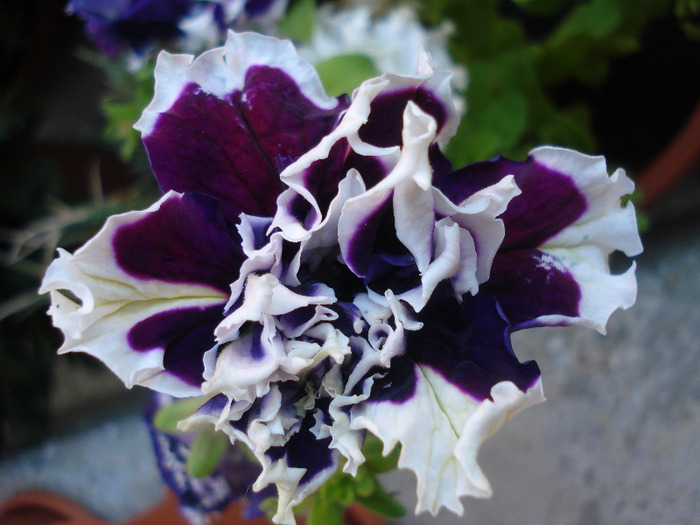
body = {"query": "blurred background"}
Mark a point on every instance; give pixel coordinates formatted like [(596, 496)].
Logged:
[(619, 439)]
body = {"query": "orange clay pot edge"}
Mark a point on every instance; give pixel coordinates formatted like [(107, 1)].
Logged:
[(680, 157), (38, 507)]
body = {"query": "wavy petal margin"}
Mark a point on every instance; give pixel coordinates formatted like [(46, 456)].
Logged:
[(226, 123), (367, 139), (452, 389), (552, 268), (108, 305)]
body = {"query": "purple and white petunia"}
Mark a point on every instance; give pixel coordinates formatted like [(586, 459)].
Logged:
[(316, 270), (136, 27), (392, 41)]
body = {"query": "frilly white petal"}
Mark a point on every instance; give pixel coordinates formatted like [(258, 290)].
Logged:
[(409, 185), (223, 69), (440, 430), (293, 176), (264, 298), (602, 293), (112, 302), (242, 376), (383, 342), (478, 215), (584, 246), (356, 115), (605, 223)]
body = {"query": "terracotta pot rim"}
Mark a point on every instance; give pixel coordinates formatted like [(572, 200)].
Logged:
[(38, 507), (673, 164)]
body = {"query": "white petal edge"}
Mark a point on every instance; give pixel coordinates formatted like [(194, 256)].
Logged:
[(113, 302), (584, 246), (222, 70), (440, 429)]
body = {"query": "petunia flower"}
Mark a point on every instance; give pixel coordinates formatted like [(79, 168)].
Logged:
[(391, 42), (316, 271), (136, 27)]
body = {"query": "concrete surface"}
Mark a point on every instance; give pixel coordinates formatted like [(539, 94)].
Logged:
[(617, 442)]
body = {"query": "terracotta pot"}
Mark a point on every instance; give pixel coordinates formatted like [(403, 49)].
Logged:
[(43, 508), (678, 160)]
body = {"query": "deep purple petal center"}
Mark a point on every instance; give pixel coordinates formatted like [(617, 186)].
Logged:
[(467, 344), (185, 241), (184, 334)]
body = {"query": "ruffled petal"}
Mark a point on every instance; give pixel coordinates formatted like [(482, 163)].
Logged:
[(298, 468), (309, 177), (429, 89), (389, 236), (549, 200), (147, 308), (408, 189), (552, 268), (183, 239), (368, 139), (451, 390), (265, 298), (479, 216), (604, 223), (225, 123), (282, 429)]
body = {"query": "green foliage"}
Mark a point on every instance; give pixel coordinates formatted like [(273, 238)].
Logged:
[(129, 93), (300, 21), (326, 506), (325, 511), (206, 451), (383, 503), (542, 7), (167, 417), (511, 75), (688, 12), (375, 461), (341, 74)]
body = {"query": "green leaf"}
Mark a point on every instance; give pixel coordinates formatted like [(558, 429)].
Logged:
[(365, 483), (206, 451), (325, 512), (688, 12), (596, 19), (269, 506), (167, 417), (375, 462), (339, 488), (341, 74), (300, 22), (383, 503)]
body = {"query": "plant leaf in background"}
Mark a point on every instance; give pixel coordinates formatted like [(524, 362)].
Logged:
[(327, 505), (206, 451), (341, 74), (300, 21), (518, 51), (688, 12)]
